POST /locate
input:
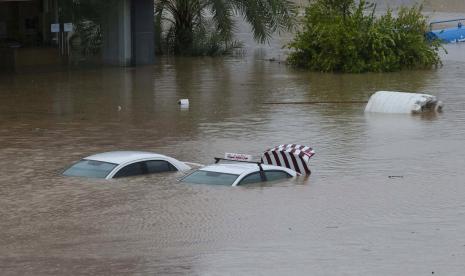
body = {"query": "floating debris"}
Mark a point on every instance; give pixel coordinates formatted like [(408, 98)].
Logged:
[(291, 156), (448, 35), (402, 102), (184, 103)]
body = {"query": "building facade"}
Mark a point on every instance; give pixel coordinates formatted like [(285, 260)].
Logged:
[(58, 33)]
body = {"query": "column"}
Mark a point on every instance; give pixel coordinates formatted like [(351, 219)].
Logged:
[(117, 37)]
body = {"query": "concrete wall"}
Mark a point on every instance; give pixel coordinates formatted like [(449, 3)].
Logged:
[(117, 34), (128, 33)]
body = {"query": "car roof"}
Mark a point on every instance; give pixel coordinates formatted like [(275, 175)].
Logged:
[(120, 157), (241, 168)]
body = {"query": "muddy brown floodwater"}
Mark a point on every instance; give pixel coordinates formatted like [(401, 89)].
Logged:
[(348, 218)]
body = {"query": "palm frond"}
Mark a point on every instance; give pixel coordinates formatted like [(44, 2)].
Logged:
[(190, 18)]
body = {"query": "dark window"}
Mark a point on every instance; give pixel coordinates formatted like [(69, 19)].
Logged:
[(157, 166), (145, 167), (251, 178), (131, 170), (276, 175), (208, 177), (90, 168), (270, 176)]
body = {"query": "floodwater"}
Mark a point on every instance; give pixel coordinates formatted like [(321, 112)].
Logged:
[(386, 197)]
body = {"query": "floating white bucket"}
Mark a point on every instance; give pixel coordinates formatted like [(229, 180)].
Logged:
[(401, 102), (184, 103)]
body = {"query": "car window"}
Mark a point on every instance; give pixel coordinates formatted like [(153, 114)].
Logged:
[(131, 170), (251, 178), (145, 167), (276, 175), (90, 168), (157, 166), (270, 176), (208, 177)]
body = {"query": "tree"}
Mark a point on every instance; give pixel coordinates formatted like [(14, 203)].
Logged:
[(346, 36), (190, 26)]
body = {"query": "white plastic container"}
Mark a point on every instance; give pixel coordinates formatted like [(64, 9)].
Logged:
[(402, 102), (184, 103)]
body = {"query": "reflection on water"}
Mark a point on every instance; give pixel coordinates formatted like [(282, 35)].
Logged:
[(349, 217)]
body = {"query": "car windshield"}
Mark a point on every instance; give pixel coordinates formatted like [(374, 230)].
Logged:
[(90, 168), (208, 177)]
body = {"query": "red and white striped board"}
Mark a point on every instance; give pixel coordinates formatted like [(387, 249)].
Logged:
[(291, 156)]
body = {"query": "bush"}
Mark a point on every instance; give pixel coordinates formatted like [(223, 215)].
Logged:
[(342, 36)]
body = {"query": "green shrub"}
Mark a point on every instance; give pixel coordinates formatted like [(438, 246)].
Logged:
[(344, 36)]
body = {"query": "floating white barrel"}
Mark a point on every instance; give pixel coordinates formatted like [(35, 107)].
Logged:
[(402, 102)]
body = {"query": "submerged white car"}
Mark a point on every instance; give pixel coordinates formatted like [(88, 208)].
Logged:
[(235, 174), (281, 162), (117, 164)]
